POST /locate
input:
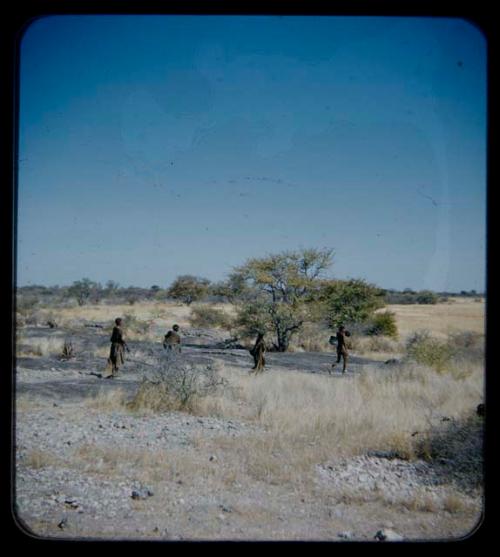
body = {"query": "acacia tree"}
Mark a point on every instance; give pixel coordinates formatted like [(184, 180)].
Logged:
[(278, 292), (83, 290), (188, 288)]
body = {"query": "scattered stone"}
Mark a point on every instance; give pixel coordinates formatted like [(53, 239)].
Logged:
[(213, 458), (388, 535), (392, 362), (63, 523), (141, 493), (225, 509)]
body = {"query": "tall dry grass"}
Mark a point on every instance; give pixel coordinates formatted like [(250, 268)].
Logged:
[(43, 346), (375, 410)]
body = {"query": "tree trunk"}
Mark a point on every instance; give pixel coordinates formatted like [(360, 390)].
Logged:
[(283, 339)]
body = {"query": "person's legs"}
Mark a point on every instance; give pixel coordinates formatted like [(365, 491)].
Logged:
[(339, 354), (345, 358)]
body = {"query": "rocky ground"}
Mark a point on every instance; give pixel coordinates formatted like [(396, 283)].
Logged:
[(90, 472)]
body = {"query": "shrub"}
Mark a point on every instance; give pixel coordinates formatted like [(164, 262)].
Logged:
[(171, 383), (209, 317), (425, 350), (460, 443), (383, 324), (312, 338), (466, 347), (427, 297), (68, 351), (134, 325), (381, 344)]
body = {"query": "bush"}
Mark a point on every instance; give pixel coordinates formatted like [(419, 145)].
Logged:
[(425, 350), (427, 297), (171, 383), (381, 344), (312, 338), (26, 304), (466, 347), (209, 317), (410, 297), (383, 324), (460, 443), (134, 325)]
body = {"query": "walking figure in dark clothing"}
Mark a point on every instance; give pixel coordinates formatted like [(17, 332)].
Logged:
[(118, 345), (258, 354), (342, 351)]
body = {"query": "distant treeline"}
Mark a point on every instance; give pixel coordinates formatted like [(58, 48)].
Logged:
[(187, 289), (409, 296)]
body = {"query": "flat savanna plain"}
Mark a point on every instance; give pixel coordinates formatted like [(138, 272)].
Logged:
[(295, 453)]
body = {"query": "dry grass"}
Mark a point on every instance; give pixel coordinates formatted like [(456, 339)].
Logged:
[(150, 465), (39, 459), (28, 403), (108, 400), (312, 338), (44, 346), (464, 314), (378, 348), (161, 313), (318, 415)]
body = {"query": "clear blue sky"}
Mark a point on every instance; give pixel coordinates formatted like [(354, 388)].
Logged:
[(154, 146)]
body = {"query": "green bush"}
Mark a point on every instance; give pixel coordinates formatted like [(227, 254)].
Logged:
[(209, 317), (383, 324), (427, 297), (425, 350)]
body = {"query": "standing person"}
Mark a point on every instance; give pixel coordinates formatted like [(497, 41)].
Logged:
[(118, 345), (172, 340), (258, 354), (342, 351)]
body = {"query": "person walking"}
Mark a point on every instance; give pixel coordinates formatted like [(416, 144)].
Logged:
[(342, 351), (258, 354), (118, 345)]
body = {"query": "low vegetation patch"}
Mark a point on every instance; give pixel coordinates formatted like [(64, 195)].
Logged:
[(383, 324), (173, 384), (209, 316), (42, 346)]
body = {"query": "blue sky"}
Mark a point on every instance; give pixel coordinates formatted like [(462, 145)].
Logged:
[(155, 146)]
